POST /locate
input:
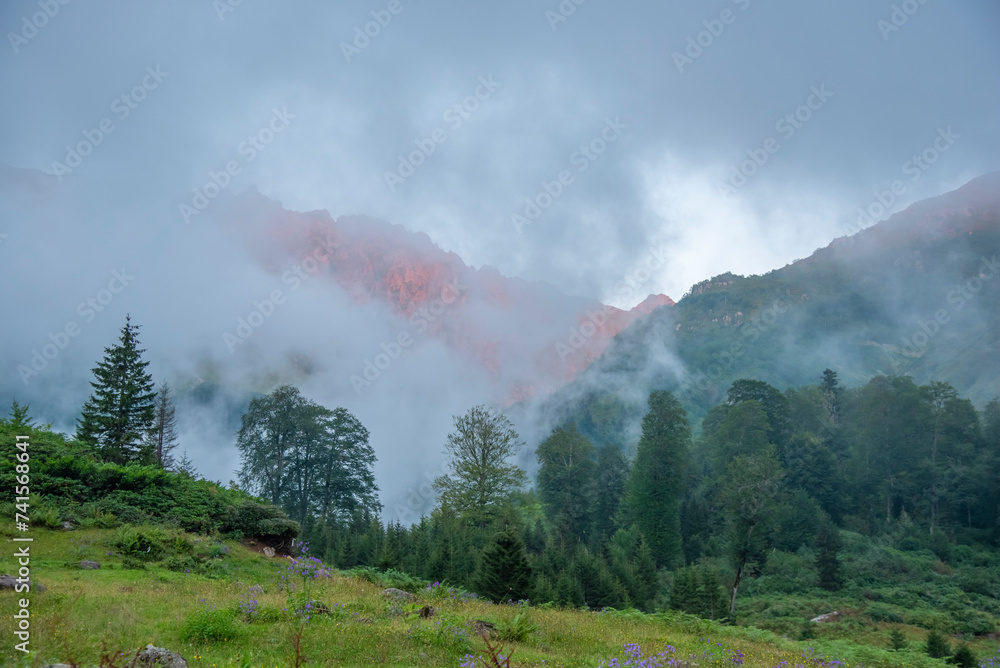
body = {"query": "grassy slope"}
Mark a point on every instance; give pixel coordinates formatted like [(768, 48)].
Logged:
[(127, 609)]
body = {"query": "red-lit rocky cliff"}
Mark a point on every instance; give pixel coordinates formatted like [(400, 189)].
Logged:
[(530, 338)]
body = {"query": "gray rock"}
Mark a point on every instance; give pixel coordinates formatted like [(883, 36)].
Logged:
[(88, 565), (828, 617), (160, 658), (67, 526), (9, 583), (485, 629), (399, 595)]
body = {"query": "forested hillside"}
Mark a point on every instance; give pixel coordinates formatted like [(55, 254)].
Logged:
[(916, 295)]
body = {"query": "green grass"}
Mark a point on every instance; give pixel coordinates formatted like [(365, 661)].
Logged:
[(198, 614)]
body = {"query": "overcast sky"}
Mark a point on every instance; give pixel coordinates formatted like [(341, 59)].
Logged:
[(805, 108), (686, 123)]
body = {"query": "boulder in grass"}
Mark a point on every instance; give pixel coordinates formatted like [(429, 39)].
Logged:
[(157, 657), (88, 565), (828, 617), (399, 595), (10, 583)]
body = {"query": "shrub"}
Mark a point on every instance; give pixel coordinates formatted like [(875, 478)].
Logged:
[(131, 563), (879, 612), (210, 625), (181, 564), (266, 523), (964, 657), (516, 628), (970, 622), (937, 647), (447, 633), (144, 544), (182, 545)]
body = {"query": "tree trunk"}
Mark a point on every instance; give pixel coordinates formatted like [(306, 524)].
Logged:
[(736, 586)]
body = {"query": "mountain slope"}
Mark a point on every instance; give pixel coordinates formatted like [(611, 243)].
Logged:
[(528, 336), (916, 294)]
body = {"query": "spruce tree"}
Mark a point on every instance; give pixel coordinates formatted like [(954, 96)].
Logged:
[(827, 563), (504, 573), (120, 412), (656, 483), (684, 593), (649, 580), (185, 466), (937, 647), (711, 597), (569, 593), (162, 438), (566, 478), (543, 591), (600, 589)]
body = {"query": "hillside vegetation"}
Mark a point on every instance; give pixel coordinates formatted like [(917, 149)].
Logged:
[(232, 611)]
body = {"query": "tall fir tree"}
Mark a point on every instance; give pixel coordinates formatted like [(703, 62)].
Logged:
[(504, 573), (656, 482), (162, 438), (120, 412), (684, 592), (185, 466), (565, 483), (827, 563)]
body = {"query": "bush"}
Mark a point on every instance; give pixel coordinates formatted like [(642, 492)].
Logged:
[(146, 544), (210, 625), (970, 623), (937, 647), (964, 658), (49, 518), (897, 640), (388, 578), (879, 612), (266, 523), (516, 628), (181, 564), (131, 563)]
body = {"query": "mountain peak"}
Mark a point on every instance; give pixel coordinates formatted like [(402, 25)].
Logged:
[(540, 338)]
